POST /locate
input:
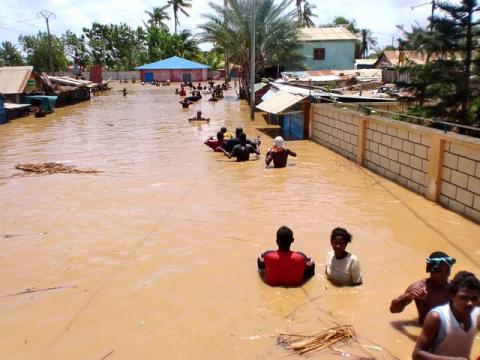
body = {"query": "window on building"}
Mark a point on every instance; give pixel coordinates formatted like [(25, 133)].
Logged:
[(319, 54)]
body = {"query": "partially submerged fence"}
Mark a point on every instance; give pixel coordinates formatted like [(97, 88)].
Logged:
[(444, 167)]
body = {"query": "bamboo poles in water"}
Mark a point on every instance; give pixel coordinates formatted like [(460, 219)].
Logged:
[(309, 344)]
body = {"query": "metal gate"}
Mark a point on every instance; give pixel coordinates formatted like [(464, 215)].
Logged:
[(148, 77), (187, 77), (292, 126)]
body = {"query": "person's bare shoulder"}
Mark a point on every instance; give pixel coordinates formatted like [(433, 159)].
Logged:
[(421, 284)]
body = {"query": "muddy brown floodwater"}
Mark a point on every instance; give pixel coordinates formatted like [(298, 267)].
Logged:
[(155, 257)]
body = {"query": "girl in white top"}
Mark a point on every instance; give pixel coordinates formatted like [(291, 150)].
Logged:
[(449, 330), (342, 267)]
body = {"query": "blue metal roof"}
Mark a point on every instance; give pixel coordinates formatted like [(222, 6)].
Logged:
[(174, 62)]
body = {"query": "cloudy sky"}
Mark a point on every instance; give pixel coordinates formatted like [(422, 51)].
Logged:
[(20, 16)]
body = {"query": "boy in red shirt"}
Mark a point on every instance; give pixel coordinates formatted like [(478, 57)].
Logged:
[(284, 267)]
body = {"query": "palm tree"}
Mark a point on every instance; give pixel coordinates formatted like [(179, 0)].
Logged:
[(276, 33), (308, 14), (299, 10), (158, 16), (368, 42), (179, 5), (211, 58)]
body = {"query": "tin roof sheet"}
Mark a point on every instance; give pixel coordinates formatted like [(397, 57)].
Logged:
[(279, 102), (326, 34), (14, 78), (174, 62)]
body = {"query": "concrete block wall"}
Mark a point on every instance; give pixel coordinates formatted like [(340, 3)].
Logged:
[(399, 154), (335, 130), (460, 179), (444, 167)]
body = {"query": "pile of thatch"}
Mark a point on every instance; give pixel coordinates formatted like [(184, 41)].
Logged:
[(53, 168), (309, 344)]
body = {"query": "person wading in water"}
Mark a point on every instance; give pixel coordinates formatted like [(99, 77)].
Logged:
[(449, 330), (278, 153), (342, 268), (285, 267), (427, 293), (242, 150)]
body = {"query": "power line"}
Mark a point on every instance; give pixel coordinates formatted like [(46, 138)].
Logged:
[(22, 21)]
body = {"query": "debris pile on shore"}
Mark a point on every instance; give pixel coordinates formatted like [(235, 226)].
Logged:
[(53, 168), (309, 344)]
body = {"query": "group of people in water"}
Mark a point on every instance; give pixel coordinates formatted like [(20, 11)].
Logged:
[(240, 147), (448, 311), (216, 92)]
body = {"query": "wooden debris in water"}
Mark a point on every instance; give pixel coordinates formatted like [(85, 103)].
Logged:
[(53, 168), (309, 344)]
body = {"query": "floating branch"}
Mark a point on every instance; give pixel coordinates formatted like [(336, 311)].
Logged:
[(53, 168)]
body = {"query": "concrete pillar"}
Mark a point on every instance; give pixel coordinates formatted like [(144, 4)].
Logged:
[(434, 175), (362, 136)]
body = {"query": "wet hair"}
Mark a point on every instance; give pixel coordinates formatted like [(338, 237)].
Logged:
[(338, 231), (238, 131), (284, 237), (436, 259), (223, 129), (464, 279), (220, 135), (243, 137)]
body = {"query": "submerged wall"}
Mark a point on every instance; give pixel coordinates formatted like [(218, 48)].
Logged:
[(444, 167)]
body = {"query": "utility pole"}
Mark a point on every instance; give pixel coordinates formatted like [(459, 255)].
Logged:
[(47, 15), (252, 62), (104, 59), (434, 6), (227, 65)]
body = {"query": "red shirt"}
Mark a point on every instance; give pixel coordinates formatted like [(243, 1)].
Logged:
[(284, 267), (214, 144)]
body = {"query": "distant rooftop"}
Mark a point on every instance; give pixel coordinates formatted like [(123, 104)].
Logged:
[(326, 33), (174, 62), (393, 58), (366, 61)]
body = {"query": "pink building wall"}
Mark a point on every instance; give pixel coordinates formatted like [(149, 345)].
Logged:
[(176, 75)]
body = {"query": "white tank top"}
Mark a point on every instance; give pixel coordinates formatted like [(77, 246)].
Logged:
[(452, 339)]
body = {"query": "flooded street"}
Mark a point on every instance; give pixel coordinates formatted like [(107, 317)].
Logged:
[(155, 257)]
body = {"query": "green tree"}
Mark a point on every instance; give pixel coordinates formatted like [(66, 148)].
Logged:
[(179, 5), (36, 48), (76, 48), (118, 46), (230, 29), (162, 44), (9, 55), (212, 58), (307, 14), (157, 16), (448, 78), (351, 25), (99, 44)]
